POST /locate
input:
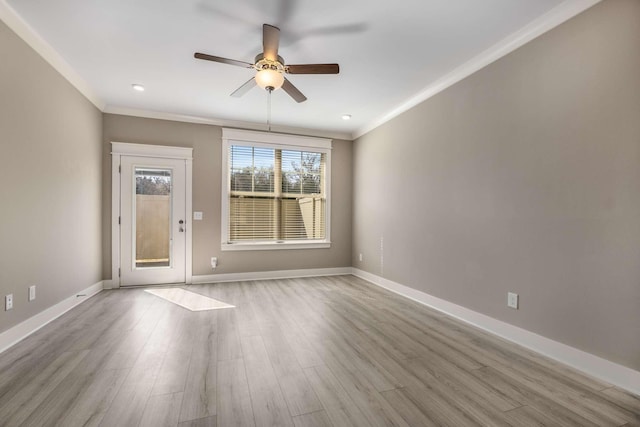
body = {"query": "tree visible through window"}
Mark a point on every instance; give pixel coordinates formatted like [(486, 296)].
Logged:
[(152, 182)]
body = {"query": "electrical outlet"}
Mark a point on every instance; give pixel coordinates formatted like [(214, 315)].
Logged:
[(32, 292), (360, 257), (512, 300), (8, 302), (214, 262)]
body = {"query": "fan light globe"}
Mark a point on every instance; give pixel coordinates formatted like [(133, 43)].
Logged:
[(269, 78)]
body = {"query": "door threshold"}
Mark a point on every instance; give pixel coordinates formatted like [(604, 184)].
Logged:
[(153, 285)]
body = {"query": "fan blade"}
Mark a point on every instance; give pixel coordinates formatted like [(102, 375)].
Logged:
[(250, 84), (270, 41), (286, 9), (293, 91), (313, 69), (222, 60)]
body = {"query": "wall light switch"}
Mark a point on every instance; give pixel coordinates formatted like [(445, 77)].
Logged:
[(32, 292), (197, 216)]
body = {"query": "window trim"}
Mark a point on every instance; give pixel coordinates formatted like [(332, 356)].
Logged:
[(276, 141)]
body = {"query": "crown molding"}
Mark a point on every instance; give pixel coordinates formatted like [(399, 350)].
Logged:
[(11, 18), (556, 16), (148, 114), (30, 36)]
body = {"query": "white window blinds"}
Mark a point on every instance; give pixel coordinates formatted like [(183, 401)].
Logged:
[(276, 194)]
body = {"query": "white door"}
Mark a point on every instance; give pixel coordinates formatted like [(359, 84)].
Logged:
[(153, 220)]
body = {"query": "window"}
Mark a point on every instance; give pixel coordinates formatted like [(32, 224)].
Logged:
[(275, 191)]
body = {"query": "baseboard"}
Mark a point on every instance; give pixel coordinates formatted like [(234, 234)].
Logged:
[(595, 366), (265, 275), (22, 330)]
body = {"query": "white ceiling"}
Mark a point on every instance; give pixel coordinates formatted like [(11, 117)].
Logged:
[(389, 52)]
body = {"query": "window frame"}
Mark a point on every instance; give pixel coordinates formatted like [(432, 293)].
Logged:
[(276, 141)]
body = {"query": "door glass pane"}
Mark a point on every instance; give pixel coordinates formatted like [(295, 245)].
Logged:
[(153, 217)]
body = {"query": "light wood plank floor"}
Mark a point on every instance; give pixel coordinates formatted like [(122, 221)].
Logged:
[(332, 351)]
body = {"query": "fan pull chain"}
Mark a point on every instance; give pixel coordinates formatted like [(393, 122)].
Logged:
[(269, 90)]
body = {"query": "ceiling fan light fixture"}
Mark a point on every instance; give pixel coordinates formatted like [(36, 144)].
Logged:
[(269, 78), (270, 67)]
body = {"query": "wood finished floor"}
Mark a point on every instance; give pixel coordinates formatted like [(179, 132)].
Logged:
[(332, 351)]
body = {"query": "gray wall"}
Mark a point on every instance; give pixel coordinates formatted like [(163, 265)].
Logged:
[(206, 141), (524, 177), (50, 196)]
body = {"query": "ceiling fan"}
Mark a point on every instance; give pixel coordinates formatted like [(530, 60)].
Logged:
[(270, 67)]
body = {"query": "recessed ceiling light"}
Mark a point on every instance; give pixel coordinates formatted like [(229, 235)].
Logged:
[(138, 87), (346, 116)]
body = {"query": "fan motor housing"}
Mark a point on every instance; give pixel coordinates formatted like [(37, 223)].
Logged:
[(262, 63)]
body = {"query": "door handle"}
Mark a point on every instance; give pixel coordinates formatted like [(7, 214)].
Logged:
[(181, 229)]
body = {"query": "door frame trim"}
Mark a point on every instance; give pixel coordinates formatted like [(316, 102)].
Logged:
[(119, 149)]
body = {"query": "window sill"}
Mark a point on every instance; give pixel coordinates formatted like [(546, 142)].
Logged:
[(274, 246)]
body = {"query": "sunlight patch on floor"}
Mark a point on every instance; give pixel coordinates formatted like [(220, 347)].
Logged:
[(188, 300)]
